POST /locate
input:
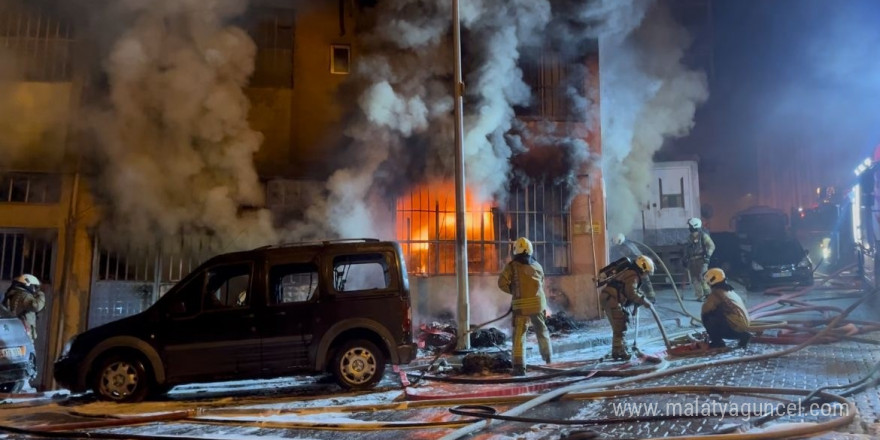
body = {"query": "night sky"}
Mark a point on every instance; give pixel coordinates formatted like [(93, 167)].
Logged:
[(794, 93)]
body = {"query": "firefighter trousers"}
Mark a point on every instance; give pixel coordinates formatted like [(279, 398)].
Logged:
[(520, 326), (618, 317), (696, 268)]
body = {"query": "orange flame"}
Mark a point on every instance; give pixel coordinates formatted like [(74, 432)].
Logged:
[(426, 229)]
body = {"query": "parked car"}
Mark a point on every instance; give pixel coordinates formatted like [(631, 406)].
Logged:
[(339, 306), (774, 262), (17, 356)]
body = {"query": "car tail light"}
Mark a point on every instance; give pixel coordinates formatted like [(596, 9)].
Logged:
[(407, 320)]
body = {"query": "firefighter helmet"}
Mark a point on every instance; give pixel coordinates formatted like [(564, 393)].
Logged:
[(522, 245), (619, 239), (645, 264), (714, 276), (695, 223), (29, 282)]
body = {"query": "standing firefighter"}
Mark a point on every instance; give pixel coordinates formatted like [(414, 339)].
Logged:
[(621, 293), (724, 314), (697, 252), (626, 248), (25, 299), (523, 278)]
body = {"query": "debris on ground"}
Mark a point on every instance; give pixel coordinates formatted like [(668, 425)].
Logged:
[(436, 336), (485, 363), (562, 322), (488, 337)]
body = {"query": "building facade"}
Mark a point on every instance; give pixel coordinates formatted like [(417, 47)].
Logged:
[(49, 217)]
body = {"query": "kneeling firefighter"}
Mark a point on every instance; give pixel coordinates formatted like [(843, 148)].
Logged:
[(523, 278), (618, 296), (724, 314)]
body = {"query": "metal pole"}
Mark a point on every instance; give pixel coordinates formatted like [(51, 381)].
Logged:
[(461, 258)]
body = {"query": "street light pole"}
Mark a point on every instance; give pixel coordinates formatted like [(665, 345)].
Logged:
[(461, 258)]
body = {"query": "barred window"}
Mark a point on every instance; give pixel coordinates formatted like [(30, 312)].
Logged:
[(557, 86), (425, 225), (273, 34), (30, 188), (40, 44), (541, 213), (21, 252)]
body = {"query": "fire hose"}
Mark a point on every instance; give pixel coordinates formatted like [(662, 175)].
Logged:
[(516, 411)]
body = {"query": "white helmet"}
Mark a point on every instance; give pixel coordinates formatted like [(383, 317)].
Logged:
[(714, 276), (29, 281), (645, 264), (619, 239), (695, 223), (522, 245)]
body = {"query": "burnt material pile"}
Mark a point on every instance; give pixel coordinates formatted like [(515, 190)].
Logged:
[(437, 336), (561, 322), (483, 363), (488, 337)]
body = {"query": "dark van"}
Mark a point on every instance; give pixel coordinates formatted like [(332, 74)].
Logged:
[(339, 306)]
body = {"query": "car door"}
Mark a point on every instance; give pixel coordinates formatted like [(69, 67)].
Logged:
[(288, 319), (211, 330)]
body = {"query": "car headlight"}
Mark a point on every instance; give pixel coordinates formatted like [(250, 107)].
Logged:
[(756, 266), (67, 345)]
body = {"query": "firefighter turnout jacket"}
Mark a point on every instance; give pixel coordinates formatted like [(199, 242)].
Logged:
[(523, 278)]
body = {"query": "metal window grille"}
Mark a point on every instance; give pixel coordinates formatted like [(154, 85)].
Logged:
[(273, 35), (553, 81), (30, 188), (162, 269), (21, 252), (42, 45), (425, 224)]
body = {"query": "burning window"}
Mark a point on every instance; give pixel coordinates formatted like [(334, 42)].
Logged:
[(425, 224)]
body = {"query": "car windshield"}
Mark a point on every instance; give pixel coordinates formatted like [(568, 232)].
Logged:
[(786, 251)]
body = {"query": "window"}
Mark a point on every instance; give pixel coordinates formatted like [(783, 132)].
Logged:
[(31, 253), (293, 283), (558, 87), (273, 35), (340, 59), (188, 299), (41, 43), (671, 200), (361, 272), (425, 225), (30, 188), (228, 286)]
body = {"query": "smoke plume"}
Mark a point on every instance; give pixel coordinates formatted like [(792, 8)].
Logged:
[(648, 96), (177, 145)]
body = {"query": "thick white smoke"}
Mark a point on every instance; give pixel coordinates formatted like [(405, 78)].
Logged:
[(175, 141), (648, 96)]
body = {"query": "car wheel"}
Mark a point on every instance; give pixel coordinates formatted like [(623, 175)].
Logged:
[(122, 379), (12, 387), (358, 364)]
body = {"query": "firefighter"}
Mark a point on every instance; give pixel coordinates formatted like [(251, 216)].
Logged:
[(618, 296), (25, 299), (523, 278), (627, 248), (724, 314), (698, 250)]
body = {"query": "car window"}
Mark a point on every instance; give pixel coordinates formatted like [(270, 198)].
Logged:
[(228, 287), (293, 283), (187, 300), (361, 272)]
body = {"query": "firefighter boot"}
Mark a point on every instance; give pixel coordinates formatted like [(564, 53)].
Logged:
[(518, 370), (618, 348)]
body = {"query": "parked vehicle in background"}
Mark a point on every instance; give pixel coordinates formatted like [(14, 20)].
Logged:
[(339, 306), (761, 252), (17, 355)]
